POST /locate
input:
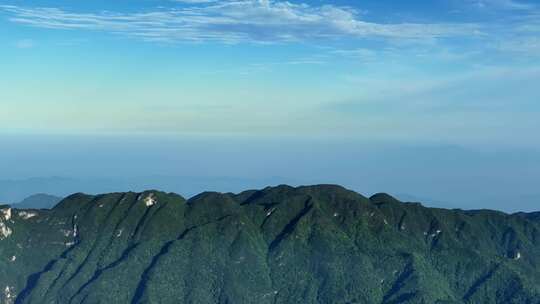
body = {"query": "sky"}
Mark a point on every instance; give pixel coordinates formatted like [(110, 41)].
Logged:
[(443, 80)]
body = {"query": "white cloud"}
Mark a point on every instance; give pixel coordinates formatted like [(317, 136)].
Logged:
[(235, 21)]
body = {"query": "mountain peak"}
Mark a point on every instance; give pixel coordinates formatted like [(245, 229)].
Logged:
[(383, 198)]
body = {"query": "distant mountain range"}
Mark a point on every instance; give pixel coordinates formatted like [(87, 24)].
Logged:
[(314, 244)]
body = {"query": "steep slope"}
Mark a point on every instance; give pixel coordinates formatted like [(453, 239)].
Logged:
[(318, 244)]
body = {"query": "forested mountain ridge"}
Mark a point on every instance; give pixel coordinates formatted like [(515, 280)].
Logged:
[(316, 244)]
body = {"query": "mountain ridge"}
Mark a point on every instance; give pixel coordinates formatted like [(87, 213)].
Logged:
[(310, 244), (532, 214)]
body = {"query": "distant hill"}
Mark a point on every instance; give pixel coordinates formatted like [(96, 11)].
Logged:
[(38, 201), (315, 244), (425, 200)]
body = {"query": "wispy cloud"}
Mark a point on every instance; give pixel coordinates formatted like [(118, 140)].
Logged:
[(25, 44), (502, 4), (263, 21), (195, 1), (529, 46), (519, 34), (497, 90), (361, 54)]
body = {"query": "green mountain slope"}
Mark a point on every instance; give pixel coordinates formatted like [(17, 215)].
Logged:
[(319, 244)]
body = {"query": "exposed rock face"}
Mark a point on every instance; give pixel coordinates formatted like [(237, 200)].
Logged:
[(319, 244)]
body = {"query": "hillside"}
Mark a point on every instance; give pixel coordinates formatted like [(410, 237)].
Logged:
[(317, 244)]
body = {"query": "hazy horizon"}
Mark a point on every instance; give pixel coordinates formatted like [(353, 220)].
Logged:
[(440, 175), (430, 99)]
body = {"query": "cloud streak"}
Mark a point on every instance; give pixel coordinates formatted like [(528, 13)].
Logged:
[(260, 21), (25, 44), (502, 4)]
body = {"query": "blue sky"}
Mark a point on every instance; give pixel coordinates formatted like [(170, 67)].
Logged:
[(460, 73), (462, 70)]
